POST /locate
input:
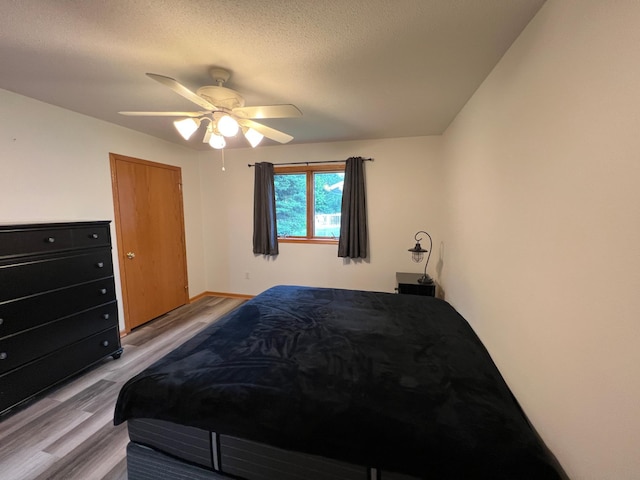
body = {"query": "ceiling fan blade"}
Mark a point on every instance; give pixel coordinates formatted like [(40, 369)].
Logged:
[(164, 114), (182, 90), (268, 111), (268, 132)]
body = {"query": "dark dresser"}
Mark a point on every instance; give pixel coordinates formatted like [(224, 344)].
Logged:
[(58, 310)]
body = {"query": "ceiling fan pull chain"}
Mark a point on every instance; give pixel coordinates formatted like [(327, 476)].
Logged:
[(222, 152)]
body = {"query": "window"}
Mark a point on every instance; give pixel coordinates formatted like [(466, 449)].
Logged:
[(308, 202)]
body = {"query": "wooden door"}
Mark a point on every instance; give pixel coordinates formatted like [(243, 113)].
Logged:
[(150, 235)]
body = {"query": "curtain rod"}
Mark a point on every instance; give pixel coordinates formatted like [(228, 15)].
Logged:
[(309, 163)]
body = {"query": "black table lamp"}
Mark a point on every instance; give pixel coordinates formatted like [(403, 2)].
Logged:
[(417, 254)]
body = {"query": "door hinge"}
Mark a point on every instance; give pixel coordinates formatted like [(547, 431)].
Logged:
[(180, 186)]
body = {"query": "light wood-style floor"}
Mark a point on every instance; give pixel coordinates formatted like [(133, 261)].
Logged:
[(68, 432)]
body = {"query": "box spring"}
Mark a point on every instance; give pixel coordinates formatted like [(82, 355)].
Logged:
[(163, 450)]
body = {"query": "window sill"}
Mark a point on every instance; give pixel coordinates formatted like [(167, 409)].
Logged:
[(321, 241)]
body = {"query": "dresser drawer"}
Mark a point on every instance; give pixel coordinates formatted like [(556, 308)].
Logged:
[(26, 242), (24, 382), (21, 348), (45, 274), (25, 313), (21, 240), (92, 236)]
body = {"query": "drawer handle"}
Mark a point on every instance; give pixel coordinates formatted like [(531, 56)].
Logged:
[(3, 355), (105, 316), (93, 235), (105, 343), (100, 264), (103, 291), (50, 240), (1, 321)]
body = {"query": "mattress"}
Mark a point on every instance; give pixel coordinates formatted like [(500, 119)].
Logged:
[(398, 384)]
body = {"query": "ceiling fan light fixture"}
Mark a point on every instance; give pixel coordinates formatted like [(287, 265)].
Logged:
[(217, 141), (253, 136), (223, 108), (187, 126), (227, 126)]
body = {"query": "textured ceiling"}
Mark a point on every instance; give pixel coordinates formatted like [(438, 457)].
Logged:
[(357, 69)]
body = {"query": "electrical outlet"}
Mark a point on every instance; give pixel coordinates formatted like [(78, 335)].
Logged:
[(246, 275)]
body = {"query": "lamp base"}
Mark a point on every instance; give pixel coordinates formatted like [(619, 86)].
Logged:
[(425, 279)]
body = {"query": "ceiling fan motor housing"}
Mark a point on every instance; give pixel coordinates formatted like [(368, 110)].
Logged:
[(221, 97)]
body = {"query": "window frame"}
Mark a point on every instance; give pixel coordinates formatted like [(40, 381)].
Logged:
[(309, 170)]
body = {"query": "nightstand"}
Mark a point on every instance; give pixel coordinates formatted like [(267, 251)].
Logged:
[(408, 284)]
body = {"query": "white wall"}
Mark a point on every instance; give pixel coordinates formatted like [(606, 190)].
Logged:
[(54, 166), (403, 196), (543, 229)]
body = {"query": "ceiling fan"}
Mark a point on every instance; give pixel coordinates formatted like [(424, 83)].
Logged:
[(225, 111)]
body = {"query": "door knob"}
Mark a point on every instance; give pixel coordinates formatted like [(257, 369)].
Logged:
[(131, 255)]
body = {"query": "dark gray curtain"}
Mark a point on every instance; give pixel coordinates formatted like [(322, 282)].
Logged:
[(353, 223), (265, 235)]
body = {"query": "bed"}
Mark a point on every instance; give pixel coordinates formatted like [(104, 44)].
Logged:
[(319, 383)]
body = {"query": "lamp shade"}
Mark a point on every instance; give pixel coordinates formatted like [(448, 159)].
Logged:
[(186, 127), (417, 253), (217, 141), (227, 126)]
